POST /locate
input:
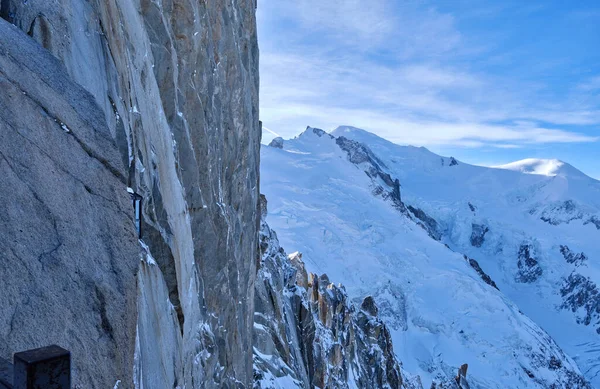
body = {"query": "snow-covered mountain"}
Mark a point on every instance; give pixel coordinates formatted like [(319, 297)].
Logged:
[(544, 167), (493, 267)]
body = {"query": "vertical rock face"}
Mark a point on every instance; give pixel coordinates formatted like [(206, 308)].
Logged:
[(307, 333), (68, 249), (176, 83)]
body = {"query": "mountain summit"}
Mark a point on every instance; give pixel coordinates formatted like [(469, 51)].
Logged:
[(544, 167), (491, 267)]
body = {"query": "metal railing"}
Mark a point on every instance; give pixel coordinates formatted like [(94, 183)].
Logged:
[(46, 367)]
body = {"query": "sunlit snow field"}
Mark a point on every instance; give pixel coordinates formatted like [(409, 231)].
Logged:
[(439, 310)]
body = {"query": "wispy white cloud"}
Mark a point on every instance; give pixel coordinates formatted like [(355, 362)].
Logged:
[(424, 132), (406, 88), (347, 19)]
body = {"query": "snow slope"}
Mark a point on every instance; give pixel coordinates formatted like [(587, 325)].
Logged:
[(559, 208), (336, 202), (544, 167)]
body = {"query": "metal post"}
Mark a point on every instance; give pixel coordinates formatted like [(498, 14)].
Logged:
[(137, 208)]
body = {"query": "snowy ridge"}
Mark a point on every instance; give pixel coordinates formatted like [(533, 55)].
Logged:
[(433, 294), (544, 167)]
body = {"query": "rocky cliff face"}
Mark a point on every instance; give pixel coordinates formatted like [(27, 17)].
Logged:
[(308, 334), (160, 98), (169, 107), (68, 248)]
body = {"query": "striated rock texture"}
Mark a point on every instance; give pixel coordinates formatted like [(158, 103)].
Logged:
[(308, 334), (68, 248), (175, 85)]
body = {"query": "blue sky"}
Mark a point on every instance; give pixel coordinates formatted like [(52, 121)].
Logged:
[(488, 82)]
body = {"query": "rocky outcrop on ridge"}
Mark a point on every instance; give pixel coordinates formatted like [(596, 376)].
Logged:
[(428, 223), (308, 334), (383, 184), (277, 143)]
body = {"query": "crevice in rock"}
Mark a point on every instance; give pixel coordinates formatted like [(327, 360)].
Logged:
[(40, 31), (113, 170), (104, 322), (121, 140), (162, 254), (5, 10)]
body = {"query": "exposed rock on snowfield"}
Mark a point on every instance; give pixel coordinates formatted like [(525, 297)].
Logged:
[(563, 212), (582, 297), (277, 143), (573, 258), (308, 334), (360, 155), (175, 85), (486, 278), (594, 220), (427, 222), (529, 268), (478, 234)]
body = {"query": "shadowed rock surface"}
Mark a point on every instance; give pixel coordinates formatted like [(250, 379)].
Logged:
[(69, 252), (176, 83), (428, 223)]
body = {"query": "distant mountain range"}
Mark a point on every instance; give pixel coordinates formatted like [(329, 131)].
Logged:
[(494, 267)]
